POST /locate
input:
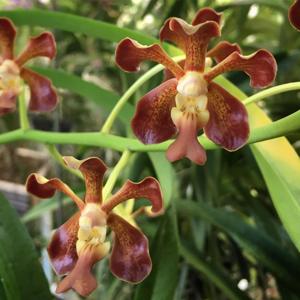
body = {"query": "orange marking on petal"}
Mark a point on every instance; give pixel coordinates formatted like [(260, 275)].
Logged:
[(93, 169), (7, 38), (148, 188), (294, 14), (130, 54), (42, 45)]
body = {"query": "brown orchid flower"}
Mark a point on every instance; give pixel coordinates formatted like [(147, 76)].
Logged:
[(80, 242), (294, 14), (43, 96), (192, 101)]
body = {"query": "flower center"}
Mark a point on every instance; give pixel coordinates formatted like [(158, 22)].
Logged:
[(10, 79), (191, 98), (92, 230)]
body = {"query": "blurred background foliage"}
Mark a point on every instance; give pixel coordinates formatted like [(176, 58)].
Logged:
[(225, 241)]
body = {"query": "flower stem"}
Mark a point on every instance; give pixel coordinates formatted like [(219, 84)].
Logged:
[(283, 88), (110, 183), (132, 89), (23, 117)]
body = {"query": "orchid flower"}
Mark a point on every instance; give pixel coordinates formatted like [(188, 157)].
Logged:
[(43, 96), (191, 100), (294, 14), (81, 242)]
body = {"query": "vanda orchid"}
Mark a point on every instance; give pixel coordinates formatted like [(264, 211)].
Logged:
[(80, 242), (192, 101), (43, 97)]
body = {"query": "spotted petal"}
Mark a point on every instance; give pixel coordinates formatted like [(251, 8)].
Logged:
[(228, 122), (43, 96), (42, 45), (222, 50), (130, 259), (207, 14), (152, 121), (261, 67), (93, 170), (62, 248), (148, 188), (196, 39), (130, 54), (42, 187), (294, 14), (7, 38)]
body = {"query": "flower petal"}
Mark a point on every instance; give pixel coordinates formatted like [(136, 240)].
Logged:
[(62, 248), (294, 14), (81, 278), (93, 169), (130, 259), (152, 120), (186, 143), (7, 38), (228, 122), (130, 54), (42, 45), (196, 39), (148, 188), (42, 187), (8, 100), (4, 111), (43, 96), (207, 14), (222, 50), (261, 67)]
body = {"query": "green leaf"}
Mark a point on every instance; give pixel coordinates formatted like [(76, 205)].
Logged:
[(165, 173), (104, 98), (20, 272), (266, 250), (279, 164), (162, 282)]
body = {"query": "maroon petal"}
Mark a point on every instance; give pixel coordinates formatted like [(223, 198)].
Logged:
[(7, 38), (42, 187), (261, 67), (228, 122), (8, 100), (207, 14), (130, 54), (4, 111), (186, 143), (148, 188), (222, 50), (42, 45), (62, 248), (43, 96), (130, 259), (196, 39), (294, 14), (93, 169), (152, 121)]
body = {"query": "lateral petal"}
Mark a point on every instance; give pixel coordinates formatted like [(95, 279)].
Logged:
[(130, 54), (222, 50), (149, 188), (41, 45), (152, 121), (62, 248), (261, 67), (7, 38), (130, 259), (228, 122), (43, 97), (93, 169), (42, 187)]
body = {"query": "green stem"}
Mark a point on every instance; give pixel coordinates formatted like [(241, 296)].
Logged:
[(283, 88), (23, 117), (213, 272), (57, 156), (110, 183), (133, 88)]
